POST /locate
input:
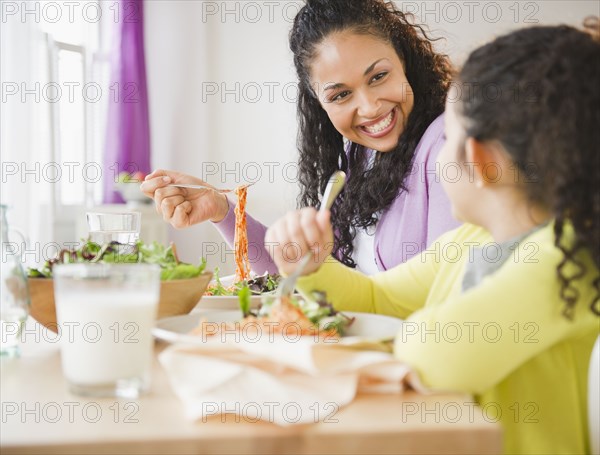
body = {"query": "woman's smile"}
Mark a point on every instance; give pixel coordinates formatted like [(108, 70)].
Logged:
[(381, 126)]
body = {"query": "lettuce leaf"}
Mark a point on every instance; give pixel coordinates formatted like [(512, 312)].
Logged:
[(113, 252)]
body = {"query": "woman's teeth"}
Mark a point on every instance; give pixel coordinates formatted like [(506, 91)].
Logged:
[(381, 125)]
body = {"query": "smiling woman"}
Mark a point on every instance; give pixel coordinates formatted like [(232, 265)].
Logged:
[(371, 93)]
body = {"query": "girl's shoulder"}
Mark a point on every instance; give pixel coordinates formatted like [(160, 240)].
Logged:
[(537, 247)]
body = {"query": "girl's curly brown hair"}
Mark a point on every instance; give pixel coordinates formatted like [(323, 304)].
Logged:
[(546, 114), (369, 191)]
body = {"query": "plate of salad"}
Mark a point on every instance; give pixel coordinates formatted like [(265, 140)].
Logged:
[(286, 318)]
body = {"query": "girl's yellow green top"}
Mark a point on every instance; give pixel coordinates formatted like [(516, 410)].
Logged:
[(504, 340)]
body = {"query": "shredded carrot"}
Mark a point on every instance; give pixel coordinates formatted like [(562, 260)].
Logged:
[(242, 264)]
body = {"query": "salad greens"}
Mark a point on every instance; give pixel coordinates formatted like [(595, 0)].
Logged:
[(244, 297), (114, 252), (315, 308), (258, 285)]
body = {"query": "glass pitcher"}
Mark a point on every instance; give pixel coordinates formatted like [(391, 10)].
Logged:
[(14, 293)]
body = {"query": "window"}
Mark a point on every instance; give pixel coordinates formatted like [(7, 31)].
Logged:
[(77, 93)]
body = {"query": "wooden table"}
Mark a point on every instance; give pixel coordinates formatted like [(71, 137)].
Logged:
[(39, 415)]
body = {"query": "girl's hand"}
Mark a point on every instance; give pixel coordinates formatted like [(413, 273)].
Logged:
[(292, 236), (183, 207)]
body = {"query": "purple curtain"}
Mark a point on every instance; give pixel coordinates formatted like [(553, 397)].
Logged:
[(128, 129)]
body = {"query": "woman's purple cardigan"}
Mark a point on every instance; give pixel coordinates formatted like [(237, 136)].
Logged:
[(416, 217)]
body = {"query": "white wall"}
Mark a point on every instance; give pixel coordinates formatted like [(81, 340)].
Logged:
[(467, 24), (246, 130), (196, 47)]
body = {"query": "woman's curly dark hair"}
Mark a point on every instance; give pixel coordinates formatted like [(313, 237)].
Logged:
[(546, 113), (369, 191)]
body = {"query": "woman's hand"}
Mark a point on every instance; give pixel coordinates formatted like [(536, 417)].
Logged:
[(292, 236), (183, 207)]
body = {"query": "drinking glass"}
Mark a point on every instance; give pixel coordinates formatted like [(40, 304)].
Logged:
[(121, 227), (105, 314)]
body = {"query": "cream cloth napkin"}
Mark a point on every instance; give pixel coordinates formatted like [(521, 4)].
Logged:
[(280, 381)]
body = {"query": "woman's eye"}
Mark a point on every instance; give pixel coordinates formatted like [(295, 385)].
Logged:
[(340, 96), (379, 76)]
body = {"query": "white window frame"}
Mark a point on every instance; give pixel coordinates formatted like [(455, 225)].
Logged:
[(93, 63)]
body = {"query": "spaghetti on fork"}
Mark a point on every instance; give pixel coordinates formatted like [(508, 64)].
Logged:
[(242, 263)]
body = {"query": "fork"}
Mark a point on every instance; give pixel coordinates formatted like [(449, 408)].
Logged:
[(286, 288), (333, 188), (205, 187)]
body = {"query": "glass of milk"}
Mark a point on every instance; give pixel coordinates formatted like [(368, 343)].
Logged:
[(105, 314), (122, 227)]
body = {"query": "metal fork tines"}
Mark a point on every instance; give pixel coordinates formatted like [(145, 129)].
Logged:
[(286, 287)]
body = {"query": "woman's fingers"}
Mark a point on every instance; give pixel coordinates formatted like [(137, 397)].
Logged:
[(181, 215), (156, 173), (166, 173), (150, 185), (182, 207), (160, 178), (169, 191), (169, 204), (163, 193)]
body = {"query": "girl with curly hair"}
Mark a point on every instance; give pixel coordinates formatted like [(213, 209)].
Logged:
[(371, 97), (506, 306)]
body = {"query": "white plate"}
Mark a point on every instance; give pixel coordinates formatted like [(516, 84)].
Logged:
[(225, 302), (366, 326)]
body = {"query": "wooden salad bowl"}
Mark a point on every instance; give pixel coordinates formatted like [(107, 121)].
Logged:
[(177, 297)]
